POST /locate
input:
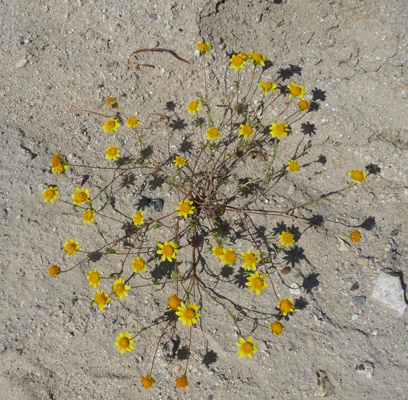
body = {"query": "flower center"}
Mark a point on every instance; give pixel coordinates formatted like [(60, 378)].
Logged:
[(123, 342), (138, 265), (194, 105), (287, 237), (56, 160), (184, 208), (168, 251), (229, 257), (256, 57), (267, 85), (81, 196), (110, 125), (295, 90), (94, 277), (257, 283), (247, 348), (87, 215), (71, 247), (189, 314), (250, 259), (280, 129), (357, 175), (49, 194), (286, 306), (219, 251), (237, 61), (100, 299), (119, 288)]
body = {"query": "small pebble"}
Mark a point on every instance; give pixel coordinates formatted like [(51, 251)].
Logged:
[(153, 17), (153, 43), (325, 387), (359, 301), (157, 204), (354, 317), (366, 368), (21, 63), (355, 287)]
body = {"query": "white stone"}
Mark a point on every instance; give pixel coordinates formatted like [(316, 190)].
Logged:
[(388, 290)]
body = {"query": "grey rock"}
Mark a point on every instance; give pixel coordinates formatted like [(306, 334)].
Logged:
[(359, 301), (325, 387), (389, 291), (366, 368)]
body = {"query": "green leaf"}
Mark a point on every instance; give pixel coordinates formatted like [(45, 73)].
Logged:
[(110, 251)]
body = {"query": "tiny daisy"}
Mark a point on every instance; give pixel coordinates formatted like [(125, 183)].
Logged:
[(188, 315), (186, 208), (286, 239), (50, 194), (246, 347), (296, 90), (279, 130), (94, 278), (179, 161), (194, 106), (286, 306), (257, 283), (124, 342), (168, 251), (101, 299), (358, 176), (111, 125)]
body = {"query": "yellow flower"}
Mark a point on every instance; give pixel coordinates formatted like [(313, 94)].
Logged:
[(124, 343), (101, 299), (229, 257), (88, 216), (286, 239), (179, 161), (296, 90), (186, 208), (188, 315), (267, 86), (358, 176), (246, 347), (182, 382), (112, 102), (257, 58), (355, 236), (212, 134), (168, 251), (276, 328), (174, 302), (110, 125), (119, 288), (204, 47), (218, 251), (70, 247), (138, 218), (293, 166), (304, 105), (257, 283), (193, 107), (93, 278), (80, 196), (139, 264), (50, 194), (147, 381), (58, 164), (54, 270), (246, 130), (243, 55), (238, 61), (279, 130), (112, 152), (250, 259), (286, 306), (132, 122)]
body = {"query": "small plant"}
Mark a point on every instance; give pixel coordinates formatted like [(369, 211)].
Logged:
[(216, 206)]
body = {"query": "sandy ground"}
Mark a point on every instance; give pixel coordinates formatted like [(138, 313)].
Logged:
[(61, 54)]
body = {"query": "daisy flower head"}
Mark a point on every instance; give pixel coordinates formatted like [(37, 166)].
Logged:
[(188, 315), (293, 166), (112, 102), (111, 125), (88, 216), (168, 251), (355, 236), (246, 347), (257, 58), (238, 61), (229, 257), (182, 382), (286, 306), (80, 196), (358, 176), (179, 161), (257, 283), (212, 134), (186, 208), (132, 122), (267, 86), (94, 278), (246, 130), (138, 218), (218, 251), (101, 299), (303, 105), (203, 47), (124, 342), (147, 381), (70, 247), (112, 152), (276, 328), (194, 106), (250, 259), (50, 194), (286, 239), (139, 265), (119, 288), (296, 90), (173, 302), (54, 270), (279, 130), (58, 164)]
